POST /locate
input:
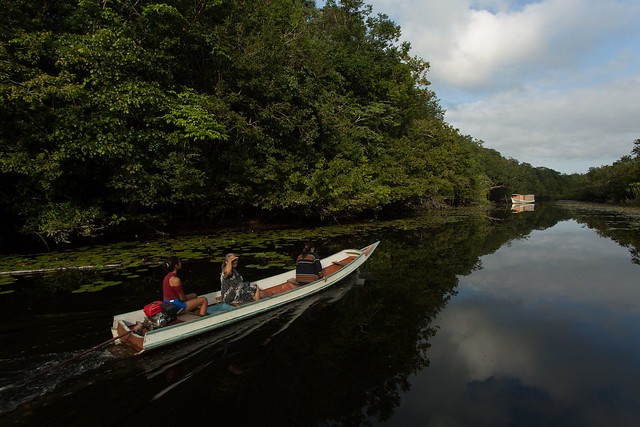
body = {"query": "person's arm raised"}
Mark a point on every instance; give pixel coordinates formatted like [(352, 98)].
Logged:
[(228, 266)]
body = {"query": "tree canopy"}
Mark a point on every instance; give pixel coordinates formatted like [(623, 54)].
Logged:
[(120, 113)]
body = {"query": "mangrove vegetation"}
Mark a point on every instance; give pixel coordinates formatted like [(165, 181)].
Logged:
[(122, 115)]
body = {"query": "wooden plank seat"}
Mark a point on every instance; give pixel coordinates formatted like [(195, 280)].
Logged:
[(336, 265), (293, 284), (278, 289)]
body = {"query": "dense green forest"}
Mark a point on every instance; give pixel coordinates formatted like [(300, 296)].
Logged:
[(121, 115)]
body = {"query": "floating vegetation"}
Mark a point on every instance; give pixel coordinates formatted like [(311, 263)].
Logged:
[(7, 280), (96, 286), (143, 256), (258, 266)]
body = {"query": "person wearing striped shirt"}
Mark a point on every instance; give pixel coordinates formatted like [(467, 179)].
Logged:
[(308, 266)]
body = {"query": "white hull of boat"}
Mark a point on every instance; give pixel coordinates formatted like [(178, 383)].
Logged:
[(337, 267), (522, 199)]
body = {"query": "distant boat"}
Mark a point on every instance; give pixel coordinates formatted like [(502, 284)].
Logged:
[(522, 207), (522, 198), (276, 291)]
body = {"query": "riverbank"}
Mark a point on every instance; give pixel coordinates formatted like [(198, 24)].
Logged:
[(633, 211)]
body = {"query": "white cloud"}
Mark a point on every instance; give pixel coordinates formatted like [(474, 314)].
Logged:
[(589, 126), (552, 83)]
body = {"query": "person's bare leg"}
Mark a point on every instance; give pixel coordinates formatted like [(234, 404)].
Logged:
[(201, 302), (203, 306)]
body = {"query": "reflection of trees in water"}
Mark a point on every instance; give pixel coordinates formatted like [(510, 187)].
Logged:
[(350, 364), (625, 238), (80, 290), (347, 363), (620, 224)]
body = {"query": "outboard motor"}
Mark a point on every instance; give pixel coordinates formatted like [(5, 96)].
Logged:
[(158, 320), (160, 313)]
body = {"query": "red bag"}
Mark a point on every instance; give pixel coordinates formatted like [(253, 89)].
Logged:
[(152, 309)]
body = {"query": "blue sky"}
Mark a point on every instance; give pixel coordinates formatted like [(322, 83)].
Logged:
[(553, 83)]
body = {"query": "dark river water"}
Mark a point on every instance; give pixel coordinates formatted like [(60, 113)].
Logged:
[(460, 318)]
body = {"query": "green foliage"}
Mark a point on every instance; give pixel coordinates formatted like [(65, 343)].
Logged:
[(634, 189), (616, 183), (188, 110), (193, 120), (61, 221)]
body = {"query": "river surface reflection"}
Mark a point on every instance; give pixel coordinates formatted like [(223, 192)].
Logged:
[(466, 317), (545, 333)]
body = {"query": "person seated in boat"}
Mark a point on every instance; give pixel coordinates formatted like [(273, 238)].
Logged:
[(234, 289), (308, 266), (173, 292)]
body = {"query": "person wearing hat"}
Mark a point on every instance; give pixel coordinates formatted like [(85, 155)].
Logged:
[(234, 289)]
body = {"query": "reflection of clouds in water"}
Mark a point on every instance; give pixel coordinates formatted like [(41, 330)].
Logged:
[(548, 348), (567, 262), (563, 351), (482, 349), (493, 359)]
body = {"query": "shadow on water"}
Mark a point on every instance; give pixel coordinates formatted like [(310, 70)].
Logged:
[(31, 385), (345, 358)]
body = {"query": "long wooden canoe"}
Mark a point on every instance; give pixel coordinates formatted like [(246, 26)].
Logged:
[(276, 291)]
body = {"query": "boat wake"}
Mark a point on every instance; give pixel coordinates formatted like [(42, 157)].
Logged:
[(30, 385), (25, 379)]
